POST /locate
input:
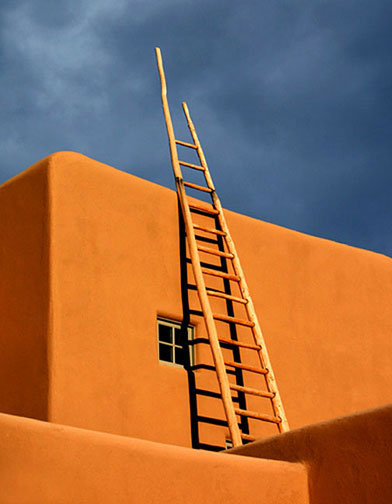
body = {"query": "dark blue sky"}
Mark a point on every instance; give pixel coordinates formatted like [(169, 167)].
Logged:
[(291, 100)]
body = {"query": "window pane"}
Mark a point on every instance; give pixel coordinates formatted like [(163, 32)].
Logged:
[(165, 352), (165, 333), (179, 355), (177, 336)]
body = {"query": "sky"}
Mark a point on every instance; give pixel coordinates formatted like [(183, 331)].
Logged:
[(292, 100)]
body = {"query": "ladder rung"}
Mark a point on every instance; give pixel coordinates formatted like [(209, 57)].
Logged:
[(191, 165), (186, 144), (258, 416), (252, 391), (210, 230), (202, 208), (221, 274), (198, 187), (234, 320), (247, 437), (226, 296), (212, 251), (239, 343), (246, 368)]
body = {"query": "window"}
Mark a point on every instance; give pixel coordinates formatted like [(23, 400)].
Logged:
[(171, 347)]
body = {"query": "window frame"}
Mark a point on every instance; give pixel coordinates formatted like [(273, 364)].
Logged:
[(175, 324)]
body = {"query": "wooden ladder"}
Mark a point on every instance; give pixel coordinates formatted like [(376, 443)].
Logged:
[(229, 253)]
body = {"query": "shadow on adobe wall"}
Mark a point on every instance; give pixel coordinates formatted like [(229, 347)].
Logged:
[(202, 364)]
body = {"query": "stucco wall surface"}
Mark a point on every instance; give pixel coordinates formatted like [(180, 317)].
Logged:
[(114, 268), (349, 458), (44, 463), (111, 244), (24, 294)]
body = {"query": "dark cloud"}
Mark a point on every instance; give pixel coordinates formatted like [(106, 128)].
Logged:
[(292, 100)]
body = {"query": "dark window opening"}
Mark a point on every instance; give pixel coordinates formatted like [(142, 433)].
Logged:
[(171, 347)]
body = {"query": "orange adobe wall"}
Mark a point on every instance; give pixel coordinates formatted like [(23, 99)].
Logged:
[(349, 459), (45, 463), (24, 294), (91, 257)]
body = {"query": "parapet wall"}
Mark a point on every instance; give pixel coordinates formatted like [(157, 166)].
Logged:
[(45, 463), (349, 459)]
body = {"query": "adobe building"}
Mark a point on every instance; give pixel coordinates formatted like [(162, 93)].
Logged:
[(96, 406)]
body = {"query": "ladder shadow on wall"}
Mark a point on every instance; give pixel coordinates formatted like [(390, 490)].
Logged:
[(208, 423)]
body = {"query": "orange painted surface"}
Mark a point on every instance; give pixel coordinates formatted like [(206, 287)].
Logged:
[(44, 463), (349, 459), (24, 256), (113, 251)]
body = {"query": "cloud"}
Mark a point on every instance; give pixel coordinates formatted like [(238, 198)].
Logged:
[(292, 100)]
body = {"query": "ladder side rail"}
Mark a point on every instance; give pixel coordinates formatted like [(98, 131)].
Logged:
[(200, 152), (168, 121), (201, 288), (256, 330)]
